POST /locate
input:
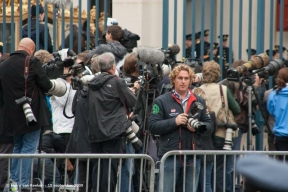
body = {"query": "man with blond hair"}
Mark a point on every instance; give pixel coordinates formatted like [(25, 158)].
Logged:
[(169, 119)]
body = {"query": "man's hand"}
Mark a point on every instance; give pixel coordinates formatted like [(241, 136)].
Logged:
[(69, 165), (190, 128), (181, 119), (137, 85)]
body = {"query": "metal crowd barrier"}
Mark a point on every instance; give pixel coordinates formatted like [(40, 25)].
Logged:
[(40, 185), (237, 186)]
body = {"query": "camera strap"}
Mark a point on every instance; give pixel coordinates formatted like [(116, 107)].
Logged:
[(26, 75)]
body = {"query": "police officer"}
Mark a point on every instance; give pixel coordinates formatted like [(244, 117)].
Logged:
[(253, 53), (225, 56), (41, 33), (198, 43)]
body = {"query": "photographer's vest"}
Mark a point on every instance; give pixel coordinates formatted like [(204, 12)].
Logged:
[(213, 95)]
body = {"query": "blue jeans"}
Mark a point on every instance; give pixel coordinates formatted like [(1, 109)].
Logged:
[(23, 144), (126, 173), (228, 174), (208, 176), (169, 180)]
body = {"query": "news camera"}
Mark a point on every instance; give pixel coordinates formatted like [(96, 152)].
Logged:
[(271, 69), (63, 58)]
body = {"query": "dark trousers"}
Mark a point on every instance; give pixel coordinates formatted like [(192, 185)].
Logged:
[(82, 175), (111, 146), (5, 148), (281, 144)]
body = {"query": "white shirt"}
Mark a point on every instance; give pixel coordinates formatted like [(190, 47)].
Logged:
[(61, 124)]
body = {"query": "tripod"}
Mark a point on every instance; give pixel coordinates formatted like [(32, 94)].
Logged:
[(249, 81)]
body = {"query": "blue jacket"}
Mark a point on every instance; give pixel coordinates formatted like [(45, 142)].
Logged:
[(277, 106)]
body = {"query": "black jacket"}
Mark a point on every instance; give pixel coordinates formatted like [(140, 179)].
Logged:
[(79, 139), (41, 35), (162, 122), (12, 83), (107, 96), (115, 47), (3, 138)]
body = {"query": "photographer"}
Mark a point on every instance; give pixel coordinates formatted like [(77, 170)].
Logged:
[(169, 119), (113, 36), (109, 101), (211, 74), (62, 116), (18, 119), (277, 107)]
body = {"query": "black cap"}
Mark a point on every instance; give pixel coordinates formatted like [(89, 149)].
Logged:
[(264, 173), (225, 37), (273, 52), (277, 47), (189, 37), (33, 9), (215, 45), (206, 33), (253, 51)]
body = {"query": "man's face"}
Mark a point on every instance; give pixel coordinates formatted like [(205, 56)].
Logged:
[(182, 81), (215, 51), (188, 43), (108, 37)]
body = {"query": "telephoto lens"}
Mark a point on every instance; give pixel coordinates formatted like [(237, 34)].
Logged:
[(197, 125), (228, 139), (131, 135), (30, 118)]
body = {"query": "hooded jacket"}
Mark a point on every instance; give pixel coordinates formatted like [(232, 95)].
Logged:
[(277, 107), (109, 100), (79, 140), (114, 47)]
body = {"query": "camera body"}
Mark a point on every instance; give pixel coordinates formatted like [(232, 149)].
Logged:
[(195, 64), (78, 69), (192, 120), (25, 103), (131, 133)]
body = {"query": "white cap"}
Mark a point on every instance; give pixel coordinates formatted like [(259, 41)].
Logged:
[(111, 21)]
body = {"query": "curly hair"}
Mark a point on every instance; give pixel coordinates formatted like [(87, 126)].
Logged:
[(211, 72), (282, 79), (176, 71), (43, 55)]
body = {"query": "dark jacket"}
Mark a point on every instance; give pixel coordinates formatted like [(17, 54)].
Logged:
[(41, 35), (115, 47), (12, 83), (162, 122), (3, 138), (108, 99), (53, 143), (79, 139)]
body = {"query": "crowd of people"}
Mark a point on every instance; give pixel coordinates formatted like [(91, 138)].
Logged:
[(100, 117)]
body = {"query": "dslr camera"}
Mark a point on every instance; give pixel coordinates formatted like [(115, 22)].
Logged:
[(192, 120), (25, 103), (81, 70)]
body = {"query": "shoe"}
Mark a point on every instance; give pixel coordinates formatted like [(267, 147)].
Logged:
[(11, 186)]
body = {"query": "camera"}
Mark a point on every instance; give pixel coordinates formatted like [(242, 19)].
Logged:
[(192, 120), (255, 129), (258, 62), (54, 68), (271, 69), (229, 134), (79, 69), (25, 103), (131, 133)]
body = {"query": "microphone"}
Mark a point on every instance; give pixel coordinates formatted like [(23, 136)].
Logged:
[(60, 3), (173, 49), (150, 55)]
